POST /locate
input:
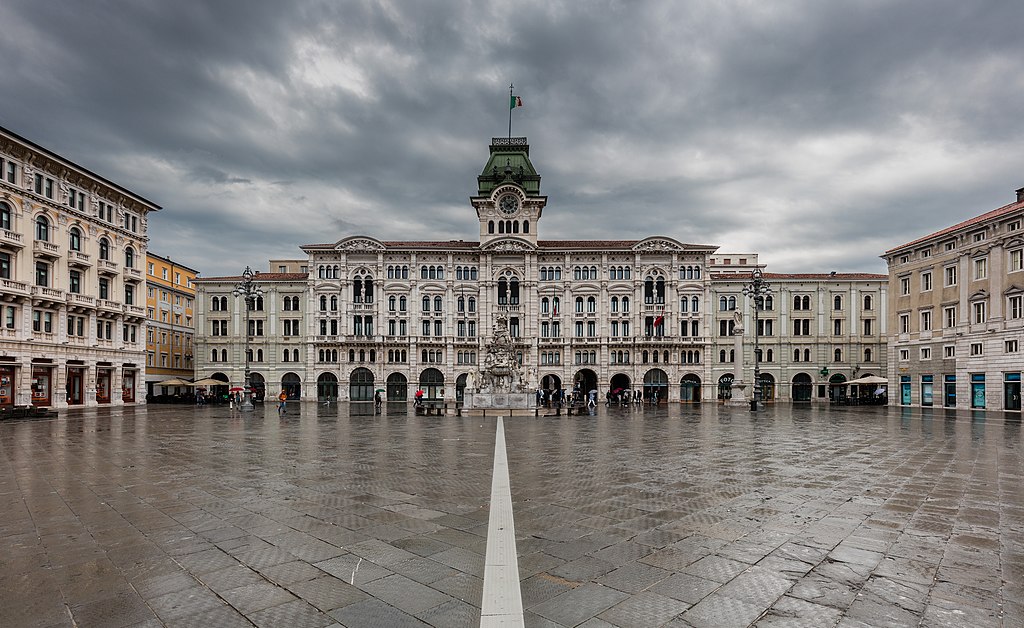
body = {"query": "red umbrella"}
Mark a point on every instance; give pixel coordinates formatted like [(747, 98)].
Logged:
[(235, 389)]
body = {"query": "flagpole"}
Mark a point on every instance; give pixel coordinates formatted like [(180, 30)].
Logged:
[(510, 86)]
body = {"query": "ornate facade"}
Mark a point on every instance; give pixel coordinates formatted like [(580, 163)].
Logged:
[(72, 246), (645, 314)]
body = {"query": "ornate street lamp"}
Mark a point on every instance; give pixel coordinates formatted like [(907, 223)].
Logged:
[(249, 290), (757, 289)]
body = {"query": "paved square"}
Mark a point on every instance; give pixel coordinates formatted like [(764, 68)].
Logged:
[(675, 516)]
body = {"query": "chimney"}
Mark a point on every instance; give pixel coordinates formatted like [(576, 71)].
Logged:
[(1020, 195)]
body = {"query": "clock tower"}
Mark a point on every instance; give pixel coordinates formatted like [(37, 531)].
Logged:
[(508, 202)]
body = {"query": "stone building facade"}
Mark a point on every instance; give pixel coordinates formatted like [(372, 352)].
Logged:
[(957, 313), (72, 247), (367, 314)]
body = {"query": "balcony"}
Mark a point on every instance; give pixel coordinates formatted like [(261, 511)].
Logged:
[(134, 310), (11, 239), (106, 267), (47, 294), (10, 334), (509, 309), (132, 274), (45, 249), (14, 287), (81, 300), (78, 258), (110, 306)]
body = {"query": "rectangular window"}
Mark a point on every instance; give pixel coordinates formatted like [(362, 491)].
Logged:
[(1016, 260), (904, 285), (977, 349), (980, 312), (42, 274), (949, 272), (981, 268), (48, 322), (37, 184), (926, 320), (904, 323), (163, 272), (867, 326), (949, 351), (926, 281), (129, 295), (904, 355), (951, 245), (949, 313), (1015, 307), (5, 265), (980, 236), (74, 282), (48, 188), (12, 172), (10, 317), (926, 353), (1012, 346)]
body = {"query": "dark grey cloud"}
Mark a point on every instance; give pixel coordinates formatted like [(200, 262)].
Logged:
[(816, 134)]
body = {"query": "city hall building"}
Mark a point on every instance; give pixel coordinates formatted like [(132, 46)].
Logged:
[(656, 315)]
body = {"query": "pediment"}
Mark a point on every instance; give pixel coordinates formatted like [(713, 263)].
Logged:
[(359, 243), (508, 245), (658, 245)]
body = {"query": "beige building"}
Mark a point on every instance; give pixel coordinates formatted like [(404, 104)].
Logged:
[(72, 246), (170, 336), (956, 313), (361, 314)]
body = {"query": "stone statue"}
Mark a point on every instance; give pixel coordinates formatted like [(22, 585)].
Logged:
[(500, 371), (737, 317)]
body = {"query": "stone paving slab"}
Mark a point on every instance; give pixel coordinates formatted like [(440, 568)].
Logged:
[(669, 516)]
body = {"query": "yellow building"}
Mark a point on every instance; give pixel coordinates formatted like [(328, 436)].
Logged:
[(170, 297)]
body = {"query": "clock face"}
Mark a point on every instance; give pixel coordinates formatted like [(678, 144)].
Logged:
[(509, 204)]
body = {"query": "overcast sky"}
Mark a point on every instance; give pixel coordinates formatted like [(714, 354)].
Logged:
[(817, 134)]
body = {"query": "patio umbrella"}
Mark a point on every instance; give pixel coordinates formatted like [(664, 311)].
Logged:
[(235, 389), (174, 381), (869, 379), (381, 390), (209, 381)]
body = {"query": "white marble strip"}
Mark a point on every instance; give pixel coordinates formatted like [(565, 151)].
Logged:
[(502, 603)]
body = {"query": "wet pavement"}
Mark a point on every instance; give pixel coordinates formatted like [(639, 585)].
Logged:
[(675, 516)]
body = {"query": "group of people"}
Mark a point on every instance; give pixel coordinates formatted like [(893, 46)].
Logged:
[(625, 397)]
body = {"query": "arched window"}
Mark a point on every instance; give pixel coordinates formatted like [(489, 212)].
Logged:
[(323, 303), (75, 239), (807, 355), (223, 355), (770, 356), (807, 302), (437, 304), (625, 304), (796, 355), (259, 355), (392, 302), (545, 305), (615, 304), (838, 355), (42, 229), (129, 257), (526, 226), (579, 305), (867, 302), (104, 249), (837, 302), (213, 356), (426, 304), (721, 355), (490, 226), (472, 304), (867, 355), (402, 304), (732, 303), (5, 216), (695, 304), (501, 226), (591, 304), (723, 304)]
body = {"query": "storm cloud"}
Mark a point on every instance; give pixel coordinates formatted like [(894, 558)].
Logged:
[(817, 134)]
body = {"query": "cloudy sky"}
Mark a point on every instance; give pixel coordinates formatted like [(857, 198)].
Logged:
[(818, 134)]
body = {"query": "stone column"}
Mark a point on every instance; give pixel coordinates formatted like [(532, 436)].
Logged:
[(738, 389)]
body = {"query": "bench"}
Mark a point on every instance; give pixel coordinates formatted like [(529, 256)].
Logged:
[(429, 408)]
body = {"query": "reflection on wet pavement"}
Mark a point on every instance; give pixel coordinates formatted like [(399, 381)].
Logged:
[(678, 516)]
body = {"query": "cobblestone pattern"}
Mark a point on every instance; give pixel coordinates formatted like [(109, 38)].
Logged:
[(675, 516)]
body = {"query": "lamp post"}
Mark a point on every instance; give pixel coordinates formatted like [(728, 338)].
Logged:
[(757, 289), (249, 290)]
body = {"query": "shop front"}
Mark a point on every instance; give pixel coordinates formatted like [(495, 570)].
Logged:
[(76, 383), (128, 384), (7, 380), (104, 375), (42, 385)]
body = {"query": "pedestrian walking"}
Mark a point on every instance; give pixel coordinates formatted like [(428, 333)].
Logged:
[(282, 402)]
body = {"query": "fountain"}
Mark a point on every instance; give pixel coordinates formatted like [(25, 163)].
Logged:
[(500, 385)]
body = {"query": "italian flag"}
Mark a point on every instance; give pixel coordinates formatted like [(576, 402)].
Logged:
[(515, 101)]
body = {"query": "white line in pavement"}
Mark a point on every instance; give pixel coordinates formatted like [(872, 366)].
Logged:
[(502, 603)]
